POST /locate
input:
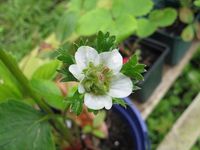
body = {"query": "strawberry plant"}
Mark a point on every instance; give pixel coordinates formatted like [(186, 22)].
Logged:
[(36, 115)]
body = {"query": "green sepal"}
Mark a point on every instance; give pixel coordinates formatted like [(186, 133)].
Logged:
[(104, 42), (133, 69), (119, 101)]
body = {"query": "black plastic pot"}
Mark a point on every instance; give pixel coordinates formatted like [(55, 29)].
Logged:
[(159, 3), (153, 76), (177, 46), (166, 3)]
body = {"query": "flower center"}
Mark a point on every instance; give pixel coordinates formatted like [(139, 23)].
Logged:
[(97, 79)]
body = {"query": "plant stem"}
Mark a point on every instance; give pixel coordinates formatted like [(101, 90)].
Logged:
[(21, 79), (26, 87)]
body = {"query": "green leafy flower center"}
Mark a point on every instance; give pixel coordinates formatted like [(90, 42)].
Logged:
[(97, 79)]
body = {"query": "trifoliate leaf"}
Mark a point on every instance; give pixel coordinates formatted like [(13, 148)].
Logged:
[(163, 17), (186, 15), (188, 33)]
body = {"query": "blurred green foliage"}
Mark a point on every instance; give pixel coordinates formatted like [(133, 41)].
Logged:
[(118, 17), (175, 102), (197, 145), (24, 23)]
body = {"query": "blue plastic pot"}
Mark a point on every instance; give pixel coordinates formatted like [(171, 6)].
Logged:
[(137, 127)]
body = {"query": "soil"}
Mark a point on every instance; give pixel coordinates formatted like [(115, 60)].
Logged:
[(148, 54), (119, 134)]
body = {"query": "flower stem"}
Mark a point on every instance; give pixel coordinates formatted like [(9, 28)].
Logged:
[(26, 87)]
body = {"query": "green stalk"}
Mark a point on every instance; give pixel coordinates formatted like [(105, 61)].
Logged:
[(26, 87), (21, 79)]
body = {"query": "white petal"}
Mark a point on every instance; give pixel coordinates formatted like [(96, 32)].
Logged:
[(97, 102), (112, 60), (86, 54), (121, 86), (76, 71), (81, 89)]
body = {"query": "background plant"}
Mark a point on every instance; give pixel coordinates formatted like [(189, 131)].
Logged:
[(177, 99), (25, 23), (109, 16), (188, 14)]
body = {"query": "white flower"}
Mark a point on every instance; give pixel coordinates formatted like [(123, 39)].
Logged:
[(100, 77)]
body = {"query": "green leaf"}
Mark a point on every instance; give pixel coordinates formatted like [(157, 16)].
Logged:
[(47, 71), (66, 25), (49, 92), (107, 4), (75, 103), (87, 129), (86, 25), (119, 101), (188, 33), (66, 54), (6, 76), (139, 68), (82, 6), (67, 75), (145, 28), (123, 27), (163, 17), (186, 15), (99, 133), (95, 112), (99, 119), (197, 3), (185, 3), (8, 92), (133, 69), (104, 42), (30, 64), (133, 7), (23, 128)]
